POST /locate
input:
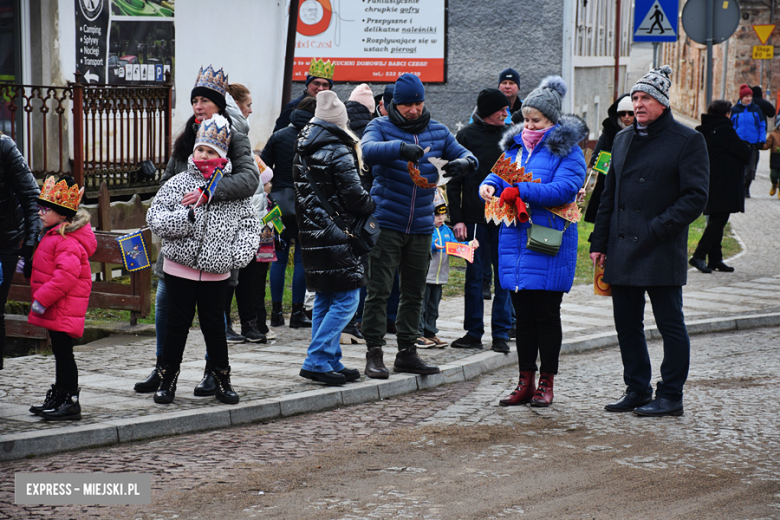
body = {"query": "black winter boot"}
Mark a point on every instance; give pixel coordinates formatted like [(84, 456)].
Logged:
[(169, 374), (67, 408), (277, 318), (151, 383), (232, 337), (251, 332), (224, 391), (52, 397), (298, 318), (407, 361), (207, 385), (375, 365)]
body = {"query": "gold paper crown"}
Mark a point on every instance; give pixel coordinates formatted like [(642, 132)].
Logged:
[(321, 69), (60, 195), (214, 80), (214, 132)]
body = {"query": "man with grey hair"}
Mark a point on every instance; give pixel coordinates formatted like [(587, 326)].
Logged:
[(656, 186)]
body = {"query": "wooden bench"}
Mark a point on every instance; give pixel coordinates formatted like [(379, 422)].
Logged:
[(134, 297)]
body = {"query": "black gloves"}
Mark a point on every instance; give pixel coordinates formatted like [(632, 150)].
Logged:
[(27, 254), (411, 152), (458, 168)]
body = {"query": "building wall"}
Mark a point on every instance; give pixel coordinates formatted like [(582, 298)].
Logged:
[(594, 94)]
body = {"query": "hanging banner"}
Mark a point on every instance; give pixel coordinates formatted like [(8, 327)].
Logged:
[(373, 40)]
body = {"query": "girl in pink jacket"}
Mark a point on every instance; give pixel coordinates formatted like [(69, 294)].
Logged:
[(61, 283)]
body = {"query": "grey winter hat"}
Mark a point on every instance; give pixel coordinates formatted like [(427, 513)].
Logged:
[(655, 83), (547, 97)]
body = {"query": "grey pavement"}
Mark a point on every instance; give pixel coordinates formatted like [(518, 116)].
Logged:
[(266, 375)]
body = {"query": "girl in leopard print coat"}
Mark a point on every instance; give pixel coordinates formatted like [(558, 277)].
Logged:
[(202, 241)]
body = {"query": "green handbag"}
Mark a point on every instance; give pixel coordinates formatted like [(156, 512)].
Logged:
[(544, 239)]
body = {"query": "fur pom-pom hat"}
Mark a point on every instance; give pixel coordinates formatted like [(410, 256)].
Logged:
[(655, 83), (547, 97)]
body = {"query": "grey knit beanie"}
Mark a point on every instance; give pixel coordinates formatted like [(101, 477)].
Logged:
[(547, 97), (655, 83)]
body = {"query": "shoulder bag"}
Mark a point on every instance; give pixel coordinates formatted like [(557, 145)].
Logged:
[(364, 233), (543, 239)]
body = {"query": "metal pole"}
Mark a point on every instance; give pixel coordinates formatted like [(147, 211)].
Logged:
[(725, 62), (655, 55), (289, 57), (617, 51), (710, 18)]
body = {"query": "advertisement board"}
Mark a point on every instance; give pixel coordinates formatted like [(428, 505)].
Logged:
[(373, 40)]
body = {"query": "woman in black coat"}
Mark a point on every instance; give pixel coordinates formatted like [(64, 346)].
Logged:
[(620, 116), (19, 221), (728, 156), (332, 160)]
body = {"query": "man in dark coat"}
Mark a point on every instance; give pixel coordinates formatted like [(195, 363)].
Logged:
[(19, 220), (758, 98), (319, 78), (728, 157), (509, 85), (656, 186), (467, 213)]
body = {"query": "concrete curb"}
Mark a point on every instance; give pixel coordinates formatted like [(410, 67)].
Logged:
[(30, 444)]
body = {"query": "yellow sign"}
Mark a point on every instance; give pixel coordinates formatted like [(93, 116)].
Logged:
[(763, 52), (764, 32)]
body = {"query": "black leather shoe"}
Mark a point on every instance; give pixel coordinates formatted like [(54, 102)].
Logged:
[(720, 266), (700, 264), (329, 378), (500, 345), (660, 408), (350, 374), (232, 337), (629, 401), (150, 384), (467, 341), (407, 361), (207, 385)]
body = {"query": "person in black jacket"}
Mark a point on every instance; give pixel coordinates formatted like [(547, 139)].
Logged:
[(278, 154), (758, 98), (656, 186), (728, 156), (620, 115), (19, 221), (332, 160), (467, 214)]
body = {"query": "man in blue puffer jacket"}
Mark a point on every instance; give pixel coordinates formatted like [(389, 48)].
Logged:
[(750, 123), (405, 214)]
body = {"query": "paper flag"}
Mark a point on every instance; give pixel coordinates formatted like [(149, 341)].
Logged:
[(460, 250), (602, 162), (135, 255), (211, 188), (275, 218), (439, 163)]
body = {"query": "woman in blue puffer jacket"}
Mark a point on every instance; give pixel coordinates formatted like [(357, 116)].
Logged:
[(546, 145)]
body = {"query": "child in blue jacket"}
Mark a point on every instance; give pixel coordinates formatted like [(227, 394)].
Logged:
[(438, 275)]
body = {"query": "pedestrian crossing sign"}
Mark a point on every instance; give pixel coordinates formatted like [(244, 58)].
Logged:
[(656, 20)]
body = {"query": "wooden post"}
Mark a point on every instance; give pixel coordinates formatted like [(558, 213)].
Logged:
[(289, 58), (168, 119), (104, 222), (617, 51), (78, 131)]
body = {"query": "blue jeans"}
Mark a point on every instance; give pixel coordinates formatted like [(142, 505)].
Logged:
[(277, 274), (501, 320), (628, 304), (332, 312)]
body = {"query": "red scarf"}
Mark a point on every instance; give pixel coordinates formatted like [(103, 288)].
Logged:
[(207, 167)]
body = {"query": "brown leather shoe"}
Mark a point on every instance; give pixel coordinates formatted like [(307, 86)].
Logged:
[(524, 391), (375, 366), (544, 392)]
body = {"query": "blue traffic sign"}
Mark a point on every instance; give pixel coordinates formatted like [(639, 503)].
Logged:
[(656, 20), (158, 69)]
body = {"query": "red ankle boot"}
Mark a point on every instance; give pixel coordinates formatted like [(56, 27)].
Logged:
[(544, 393), (524, 391)]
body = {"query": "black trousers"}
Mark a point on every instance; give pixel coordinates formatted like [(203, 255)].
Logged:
[(628, 304), (250, 294), (710, 244), (9, 267), (183, 297), (67, 374), (538, 329)]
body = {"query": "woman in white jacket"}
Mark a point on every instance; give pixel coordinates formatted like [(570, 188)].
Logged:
[(201, 244)]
